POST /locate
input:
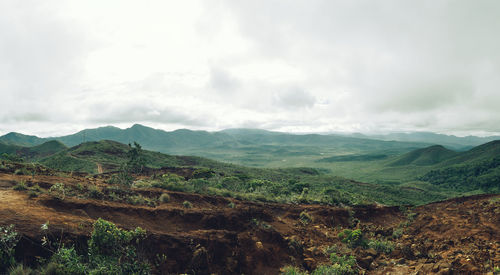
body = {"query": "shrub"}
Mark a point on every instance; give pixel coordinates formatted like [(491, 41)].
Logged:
[(66, 261), (111, 250), (352, 238), (382, 246), (397, 233), (203, 173), (20, 186), (344, 265), (22, 171), (164, 198), (33, 194), (187, 204), (122, 177), (20, 270), (8, 242), (305, 218), (331, 249), (36, 188), (94, 192), (57, 191), (291, 270)]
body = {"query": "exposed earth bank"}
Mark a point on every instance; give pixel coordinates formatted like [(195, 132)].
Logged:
[(228, 236)]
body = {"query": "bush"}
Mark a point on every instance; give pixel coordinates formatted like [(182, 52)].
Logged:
[(187, 204), (22, 171), (94, 192), (331, 249), (341, 265), (20, 186), (305, 218), (66, 261), (36, 188), (57, 191), (111, 250), (122, 177), (33, 194), (291, 270), (382, 246), (20, 270), (397, 233), (8, 242), (352, 238), (164, 198)]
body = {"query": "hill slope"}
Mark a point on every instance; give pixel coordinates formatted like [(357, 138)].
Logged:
[(450, 141), (425, 156), (35, 152), (248, 147), (110, 155)]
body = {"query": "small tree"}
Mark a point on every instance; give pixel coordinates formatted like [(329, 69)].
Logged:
[(136, 159)]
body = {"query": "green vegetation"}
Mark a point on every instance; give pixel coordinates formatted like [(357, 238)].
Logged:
[(164, 198), (380, 174), (187, 204), (111, 250), (381, 246), (483, 175), (340, 265), (20, 186), (292, 270), (353, 238), (305, 218), (58, 191), (8, 242)]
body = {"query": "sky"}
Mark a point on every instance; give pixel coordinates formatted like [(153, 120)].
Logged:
[(285, 65)]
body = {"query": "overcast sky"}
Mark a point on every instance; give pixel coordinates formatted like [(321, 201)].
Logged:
[(296, 66)]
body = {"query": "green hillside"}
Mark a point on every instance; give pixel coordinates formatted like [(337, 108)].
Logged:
[(285, 185), (478, 168), (249, 147), (21, 140), (110, 155), (425, 156), (32, 153)]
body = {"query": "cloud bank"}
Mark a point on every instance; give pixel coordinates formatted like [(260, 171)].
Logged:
[(300, 66)]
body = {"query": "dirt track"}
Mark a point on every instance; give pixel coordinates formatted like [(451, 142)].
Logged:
[(451, 237)]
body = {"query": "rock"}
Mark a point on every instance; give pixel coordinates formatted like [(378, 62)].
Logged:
[(371, 252), (259, 245), (382, 263), (397, 253), (365, 262)]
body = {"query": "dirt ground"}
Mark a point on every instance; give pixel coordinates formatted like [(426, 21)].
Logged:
[(221, 235)]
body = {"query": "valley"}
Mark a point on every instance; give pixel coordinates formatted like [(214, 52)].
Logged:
[(365, 207)]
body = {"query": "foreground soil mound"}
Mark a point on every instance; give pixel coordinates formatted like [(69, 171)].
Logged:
[(199, 234)]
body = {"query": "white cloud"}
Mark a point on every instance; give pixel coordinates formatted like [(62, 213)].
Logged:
[(282, 65)]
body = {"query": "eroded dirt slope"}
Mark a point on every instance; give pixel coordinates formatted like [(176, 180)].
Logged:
[(227, 236)]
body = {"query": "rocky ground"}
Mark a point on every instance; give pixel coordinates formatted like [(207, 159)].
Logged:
[(220, 235)]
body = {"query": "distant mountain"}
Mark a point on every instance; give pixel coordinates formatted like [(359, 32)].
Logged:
[(450, 141), (425, 156), (21, 140), (243, 146)]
